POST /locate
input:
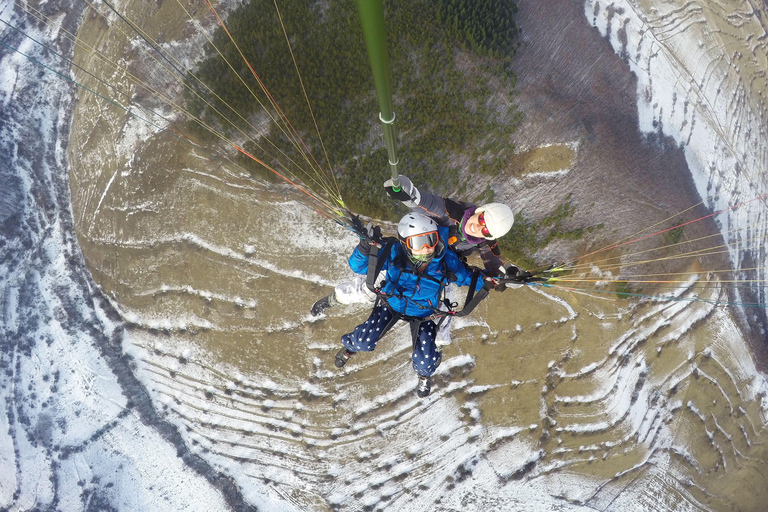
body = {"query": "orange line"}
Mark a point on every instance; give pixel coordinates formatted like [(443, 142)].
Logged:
[(263, 87), (669, 229), (283, 177)]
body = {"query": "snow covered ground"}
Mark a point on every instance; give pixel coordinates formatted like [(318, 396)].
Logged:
[(573, 403), (701, 79), (76, 430), (328, 440)]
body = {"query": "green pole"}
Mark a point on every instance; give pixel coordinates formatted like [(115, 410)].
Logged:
[(372, 19)]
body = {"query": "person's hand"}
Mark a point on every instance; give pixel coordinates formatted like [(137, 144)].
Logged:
[(400, 195), (356, 224), (371, 236), (374, 232), (514, 274), (408, 193), (496, 284)]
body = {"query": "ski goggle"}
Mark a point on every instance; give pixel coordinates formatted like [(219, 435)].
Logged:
[(417, 242), (483, 229)]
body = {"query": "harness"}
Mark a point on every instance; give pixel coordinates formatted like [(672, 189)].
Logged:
[(376, 264)]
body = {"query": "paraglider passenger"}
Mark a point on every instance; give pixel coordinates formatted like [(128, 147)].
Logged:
[(414, 272)]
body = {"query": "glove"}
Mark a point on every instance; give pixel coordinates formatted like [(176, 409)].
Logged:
[(523, 276), (356, 224), (400, 195), (408, 193), (374, 232), (496, 284), (513, 273), (374, 237)]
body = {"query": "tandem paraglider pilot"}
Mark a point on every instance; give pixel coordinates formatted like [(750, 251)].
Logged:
[(471, 229), (409, 278)]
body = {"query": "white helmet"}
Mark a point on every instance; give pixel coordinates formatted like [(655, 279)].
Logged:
[(498, 219), (416, 231)]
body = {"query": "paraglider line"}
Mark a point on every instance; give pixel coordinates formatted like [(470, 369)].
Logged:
[(674, 227), (656, 297), (285, 178)]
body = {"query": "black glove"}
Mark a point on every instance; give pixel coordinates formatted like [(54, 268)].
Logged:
[(373, 237), (374, 232), (524, 276), (400, 195), (407, 192), (513, 273), (356, 224)]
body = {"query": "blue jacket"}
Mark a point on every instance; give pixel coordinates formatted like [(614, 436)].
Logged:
[(412, 294)]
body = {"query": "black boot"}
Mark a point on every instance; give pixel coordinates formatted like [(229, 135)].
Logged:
[(342, 356), (323, 304), (425, 385)]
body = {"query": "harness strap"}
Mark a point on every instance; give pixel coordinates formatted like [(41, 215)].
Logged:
[(413, 321), (375, 263), (473, 299), (380, 302)]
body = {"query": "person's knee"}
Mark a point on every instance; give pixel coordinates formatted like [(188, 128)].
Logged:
[(366, 335), (360, 341)]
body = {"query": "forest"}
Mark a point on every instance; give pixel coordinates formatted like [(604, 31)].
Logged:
[(444, 56)]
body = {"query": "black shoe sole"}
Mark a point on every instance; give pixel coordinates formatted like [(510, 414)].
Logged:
[(340, 359), (318, 310)]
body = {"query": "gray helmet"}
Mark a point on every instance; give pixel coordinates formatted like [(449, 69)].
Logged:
[(416, 231)]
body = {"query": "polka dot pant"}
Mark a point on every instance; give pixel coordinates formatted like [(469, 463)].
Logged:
[(426, 358)]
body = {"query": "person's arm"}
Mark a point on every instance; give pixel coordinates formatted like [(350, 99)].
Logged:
[(358, 260), (437, 208), (429, 204), (491, 256)]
